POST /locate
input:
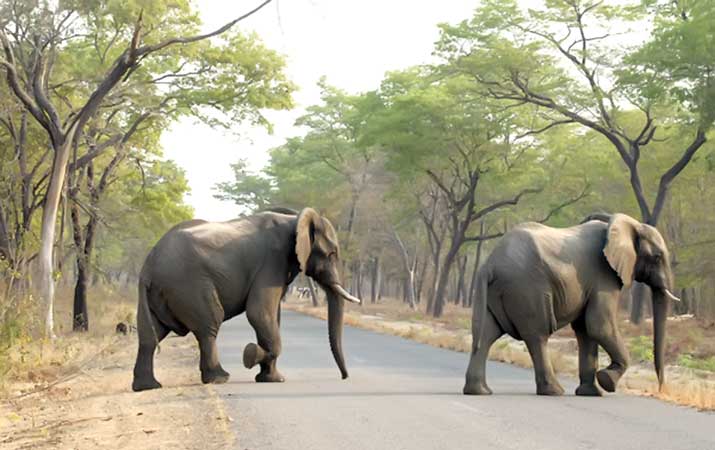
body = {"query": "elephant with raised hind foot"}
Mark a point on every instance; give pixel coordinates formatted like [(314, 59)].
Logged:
[(201, 274), (539, 279)]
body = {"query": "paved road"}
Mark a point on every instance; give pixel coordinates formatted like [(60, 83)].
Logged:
[(404, 395)]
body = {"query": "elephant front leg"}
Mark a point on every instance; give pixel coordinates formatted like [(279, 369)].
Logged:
[(601, 325), (266, 351), (253, 355), (587, 361), (608, 378)]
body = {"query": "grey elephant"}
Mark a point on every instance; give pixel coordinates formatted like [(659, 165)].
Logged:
[(539, 279), (201, 274)]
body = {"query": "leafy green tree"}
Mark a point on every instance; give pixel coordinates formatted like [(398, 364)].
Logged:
[(563, 61), (249, 190), (117, 42), (467, 147)]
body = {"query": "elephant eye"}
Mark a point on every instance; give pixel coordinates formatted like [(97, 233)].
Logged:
[(657, 257)]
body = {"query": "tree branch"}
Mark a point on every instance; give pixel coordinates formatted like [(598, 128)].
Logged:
[(566, 203), (503, 203), (142, 51)]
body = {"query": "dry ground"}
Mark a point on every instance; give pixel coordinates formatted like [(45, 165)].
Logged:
[(75, 392), (685, 385)]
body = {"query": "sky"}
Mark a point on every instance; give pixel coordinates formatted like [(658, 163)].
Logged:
[(352, 43)]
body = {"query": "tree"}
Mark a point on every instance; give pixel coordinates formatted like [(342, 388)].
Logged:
[(249, 190), (463, 146), (29, 60), (558, 61)]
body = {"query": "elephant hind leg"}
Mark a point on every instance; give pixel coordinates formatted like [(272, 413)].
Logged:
[(211, 370), (546, 382), (207, 318), (475, 383), (150, 332)]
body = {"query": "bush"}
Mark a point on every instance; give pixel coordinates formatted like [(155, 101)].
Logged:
[(692, 362), (641, 349)]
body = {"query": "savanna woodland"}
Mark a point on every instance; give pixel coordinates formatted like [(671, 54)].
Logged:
[(544, 115)]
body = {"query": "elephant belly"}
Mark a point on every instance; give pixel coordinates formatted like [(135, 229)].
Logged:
[(525, 306), (567, 296)]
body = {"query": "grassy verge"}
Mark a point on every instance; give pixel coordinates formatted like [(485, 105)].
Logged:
[(687, 383), (75, 391), (28, 363)]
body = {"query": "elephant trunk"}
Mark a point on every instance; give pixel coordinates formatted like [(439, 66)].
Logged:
[(660, 314), (336, 305)]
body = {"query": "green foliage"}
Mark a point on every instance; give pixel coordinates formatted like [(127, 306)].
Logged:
[(692, 362), (641, 349), (251, 191), (228, 80), (678, 60)]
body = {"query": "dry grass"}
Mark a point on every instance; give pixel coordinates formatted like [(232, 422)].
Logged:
[(28, 363), (75, 391), (695, 388)]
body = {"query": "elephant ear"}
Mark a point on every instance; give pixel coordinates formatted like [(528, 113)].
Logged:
[(620, 249), (308, 219)]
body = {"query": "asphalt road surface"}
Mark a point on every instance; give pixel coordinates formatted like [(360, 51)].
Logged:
[(405, 395)]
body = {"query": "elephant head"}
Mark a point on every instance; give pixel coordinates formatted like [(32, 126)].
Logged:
[(318, 254), (637, 251)]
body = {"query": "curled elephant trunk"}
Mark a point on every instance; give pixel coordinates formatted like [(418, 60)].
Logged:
[(336, 305), (661, 299)]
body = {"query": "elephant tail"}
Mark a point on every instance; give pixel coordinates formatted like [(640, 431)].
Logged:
[(479, 307), (144, 314)]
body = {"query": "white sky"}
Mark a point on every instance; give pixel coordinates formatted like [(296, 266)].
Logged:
[(352, 42)]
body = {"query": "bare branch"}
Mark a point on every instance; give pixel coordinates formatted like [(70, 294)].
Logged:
[(546, 128), (483, 237), (187, 40), (584, 193), (503, 203)]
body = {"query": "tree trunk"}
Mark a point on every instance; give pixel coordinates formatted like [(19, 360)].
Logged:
[(80, 319), (5, 250), (421, 279), (462, 282), (311, 288), (47, 234), (358, 279), (375, 280), (477, 261), (443, 281), (434, 280)]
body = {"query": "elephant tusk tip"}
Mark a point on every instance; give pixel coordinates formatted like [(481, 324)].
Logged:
[(671, 296), (344, 294)]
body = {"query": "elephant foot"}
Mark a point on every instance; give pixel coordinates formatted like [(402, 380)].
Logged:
[(549, 389), (588, 390), (140, 384), (269, 377), (215, 376), (476, 388), (252, 355), (608, 379)]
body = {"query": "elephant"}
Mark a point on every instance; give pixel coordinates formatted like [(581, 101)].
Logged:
[(200, 274), (538, 279)]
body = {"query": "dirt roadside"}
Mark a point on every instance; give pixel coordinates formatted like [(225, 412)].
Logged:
[(92, 406), (687, 387)]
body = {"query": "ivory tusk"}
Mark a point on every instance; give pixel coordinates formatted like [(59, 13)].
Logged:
[(671, 296), (344, 294)]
